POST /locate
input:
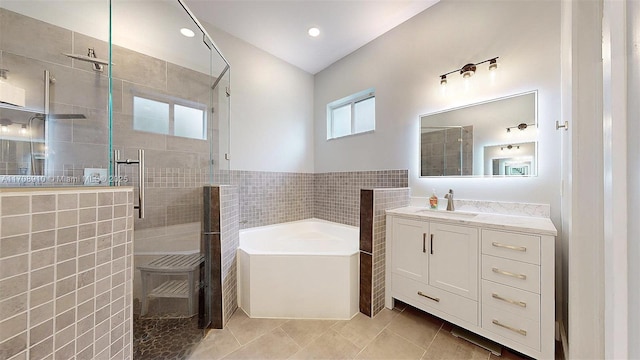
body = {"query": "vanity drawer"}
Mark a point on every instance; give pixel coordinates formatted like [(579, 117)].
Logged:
[(513, 273), (507, 298), (512, 246), (514, 327), (434, 298)]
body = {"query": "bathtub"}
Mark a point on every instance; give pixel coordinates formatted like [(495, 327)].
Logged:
[(302, 270)]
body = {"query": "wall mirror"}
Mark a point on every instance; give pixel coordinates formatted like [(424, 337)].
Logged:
[(497, 138)]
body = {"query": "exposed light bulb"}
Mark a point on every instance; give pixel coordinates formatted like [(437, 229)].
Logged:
[(23, 129), (314, 31), (4, 129), (443, 80)]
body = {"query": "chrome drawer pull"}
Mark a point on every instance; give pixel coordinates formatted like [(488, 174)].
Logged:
[(510, 247), (428, 297), (519, 331), (514, 302), (519, 276)]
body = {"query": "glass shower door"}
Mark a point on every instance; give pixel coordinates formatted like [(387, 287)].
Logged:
[(167, 120)]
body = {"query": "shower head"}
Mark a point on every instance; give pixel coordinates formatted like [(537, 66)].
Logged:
[(60, 116), (98, 64)]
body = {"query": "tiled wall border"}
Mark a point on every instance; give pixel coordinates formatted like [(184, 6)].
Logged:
[(221, 234), (66, 273), (230, 241), (374, 202)]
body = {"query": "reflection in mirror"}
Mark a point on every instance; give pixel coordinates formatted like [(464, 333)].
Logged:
[(494, 138), (446, 150), (510, 159)]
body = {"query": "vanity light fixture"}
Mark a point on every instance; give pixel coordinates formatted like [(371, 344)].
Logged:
[(521, 127), (468, 70), (493, 64), (4, 125), (509, 147)]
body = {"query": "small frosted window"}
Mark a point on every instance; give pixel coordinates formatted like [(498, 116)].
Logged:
[(150, 115), (189, 122), (342, 121), (365, 115), (352, 115)]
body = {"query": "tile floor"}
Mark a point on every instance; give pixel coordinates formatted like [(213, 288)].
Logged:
[(401, 333)]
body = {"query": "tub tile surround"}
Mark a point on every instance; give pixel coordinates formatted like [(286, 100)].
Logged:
[(337, 194), (268, 198), (66, 273), (493, 207), (373, 204), (221, 234)]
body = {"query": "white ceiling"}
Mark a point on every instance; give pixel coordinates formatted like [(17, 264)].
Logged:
[(279, 27)]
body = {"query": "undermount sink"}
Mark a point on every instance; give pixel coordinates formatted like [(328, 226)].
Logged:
[(448, 214)]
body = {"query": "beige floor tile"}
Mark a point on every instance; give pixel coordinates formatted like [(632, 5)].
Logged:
[(246, 329), (447, 346), (508, 354), (305, 331), (362, 329), (388, 345), (217, 344), (273, 345), (329, 345), (416, 326)]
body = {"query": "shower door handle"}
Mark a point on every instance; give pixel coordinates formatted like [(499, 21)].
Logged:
[(141, 185)]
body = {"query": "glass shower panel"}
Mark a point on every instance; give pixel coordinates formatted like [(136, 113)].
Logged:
[(54, 91), (169, 100)]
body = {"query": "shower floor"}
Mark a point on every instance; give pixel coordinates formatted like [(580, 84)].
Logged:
[(164, 337)]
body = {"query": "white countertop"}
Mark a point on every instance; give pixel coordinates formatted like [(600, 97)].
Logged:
[(539, 225)]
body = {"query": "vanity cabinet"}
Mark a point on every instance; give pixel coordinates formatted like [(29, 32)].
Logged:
[(494, 279), (436, 265)]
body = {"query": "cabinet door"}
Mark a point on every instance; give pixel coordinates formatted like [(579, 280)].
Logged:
[(453, 259), (409, 248)]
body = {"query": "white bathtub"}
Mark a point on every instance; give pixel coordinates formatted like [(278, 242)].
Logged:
[(303, 269)]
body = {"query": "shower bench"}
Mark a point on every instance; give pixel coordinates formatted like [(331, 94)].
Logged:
[(186, 265)]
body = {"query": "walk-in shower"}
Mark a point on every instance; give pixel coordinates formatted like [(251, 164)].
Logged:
[(114, 95)]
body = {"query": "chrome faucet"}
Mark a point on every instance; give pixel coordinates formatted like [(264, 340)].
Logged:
[(449, 197)]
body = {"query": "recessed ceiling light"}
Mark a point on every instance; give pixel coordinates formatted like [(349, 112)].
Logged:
[(314, 31), (187, 32)]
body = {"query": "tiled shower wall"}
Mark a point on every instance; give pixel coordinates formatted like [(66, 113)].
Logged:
[(173, 162), (66, 274)]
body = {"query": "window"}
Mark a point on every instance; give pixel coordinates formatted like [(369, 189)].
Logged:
[(351, 115), (170, 117)]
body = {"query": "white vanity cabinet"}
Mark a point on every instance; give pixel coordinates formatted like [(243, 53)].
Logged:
[(490, 274), (436, 265)]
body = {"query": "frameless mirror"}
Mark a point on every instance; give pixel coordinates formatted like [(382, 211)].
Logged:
[(493, 138)]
